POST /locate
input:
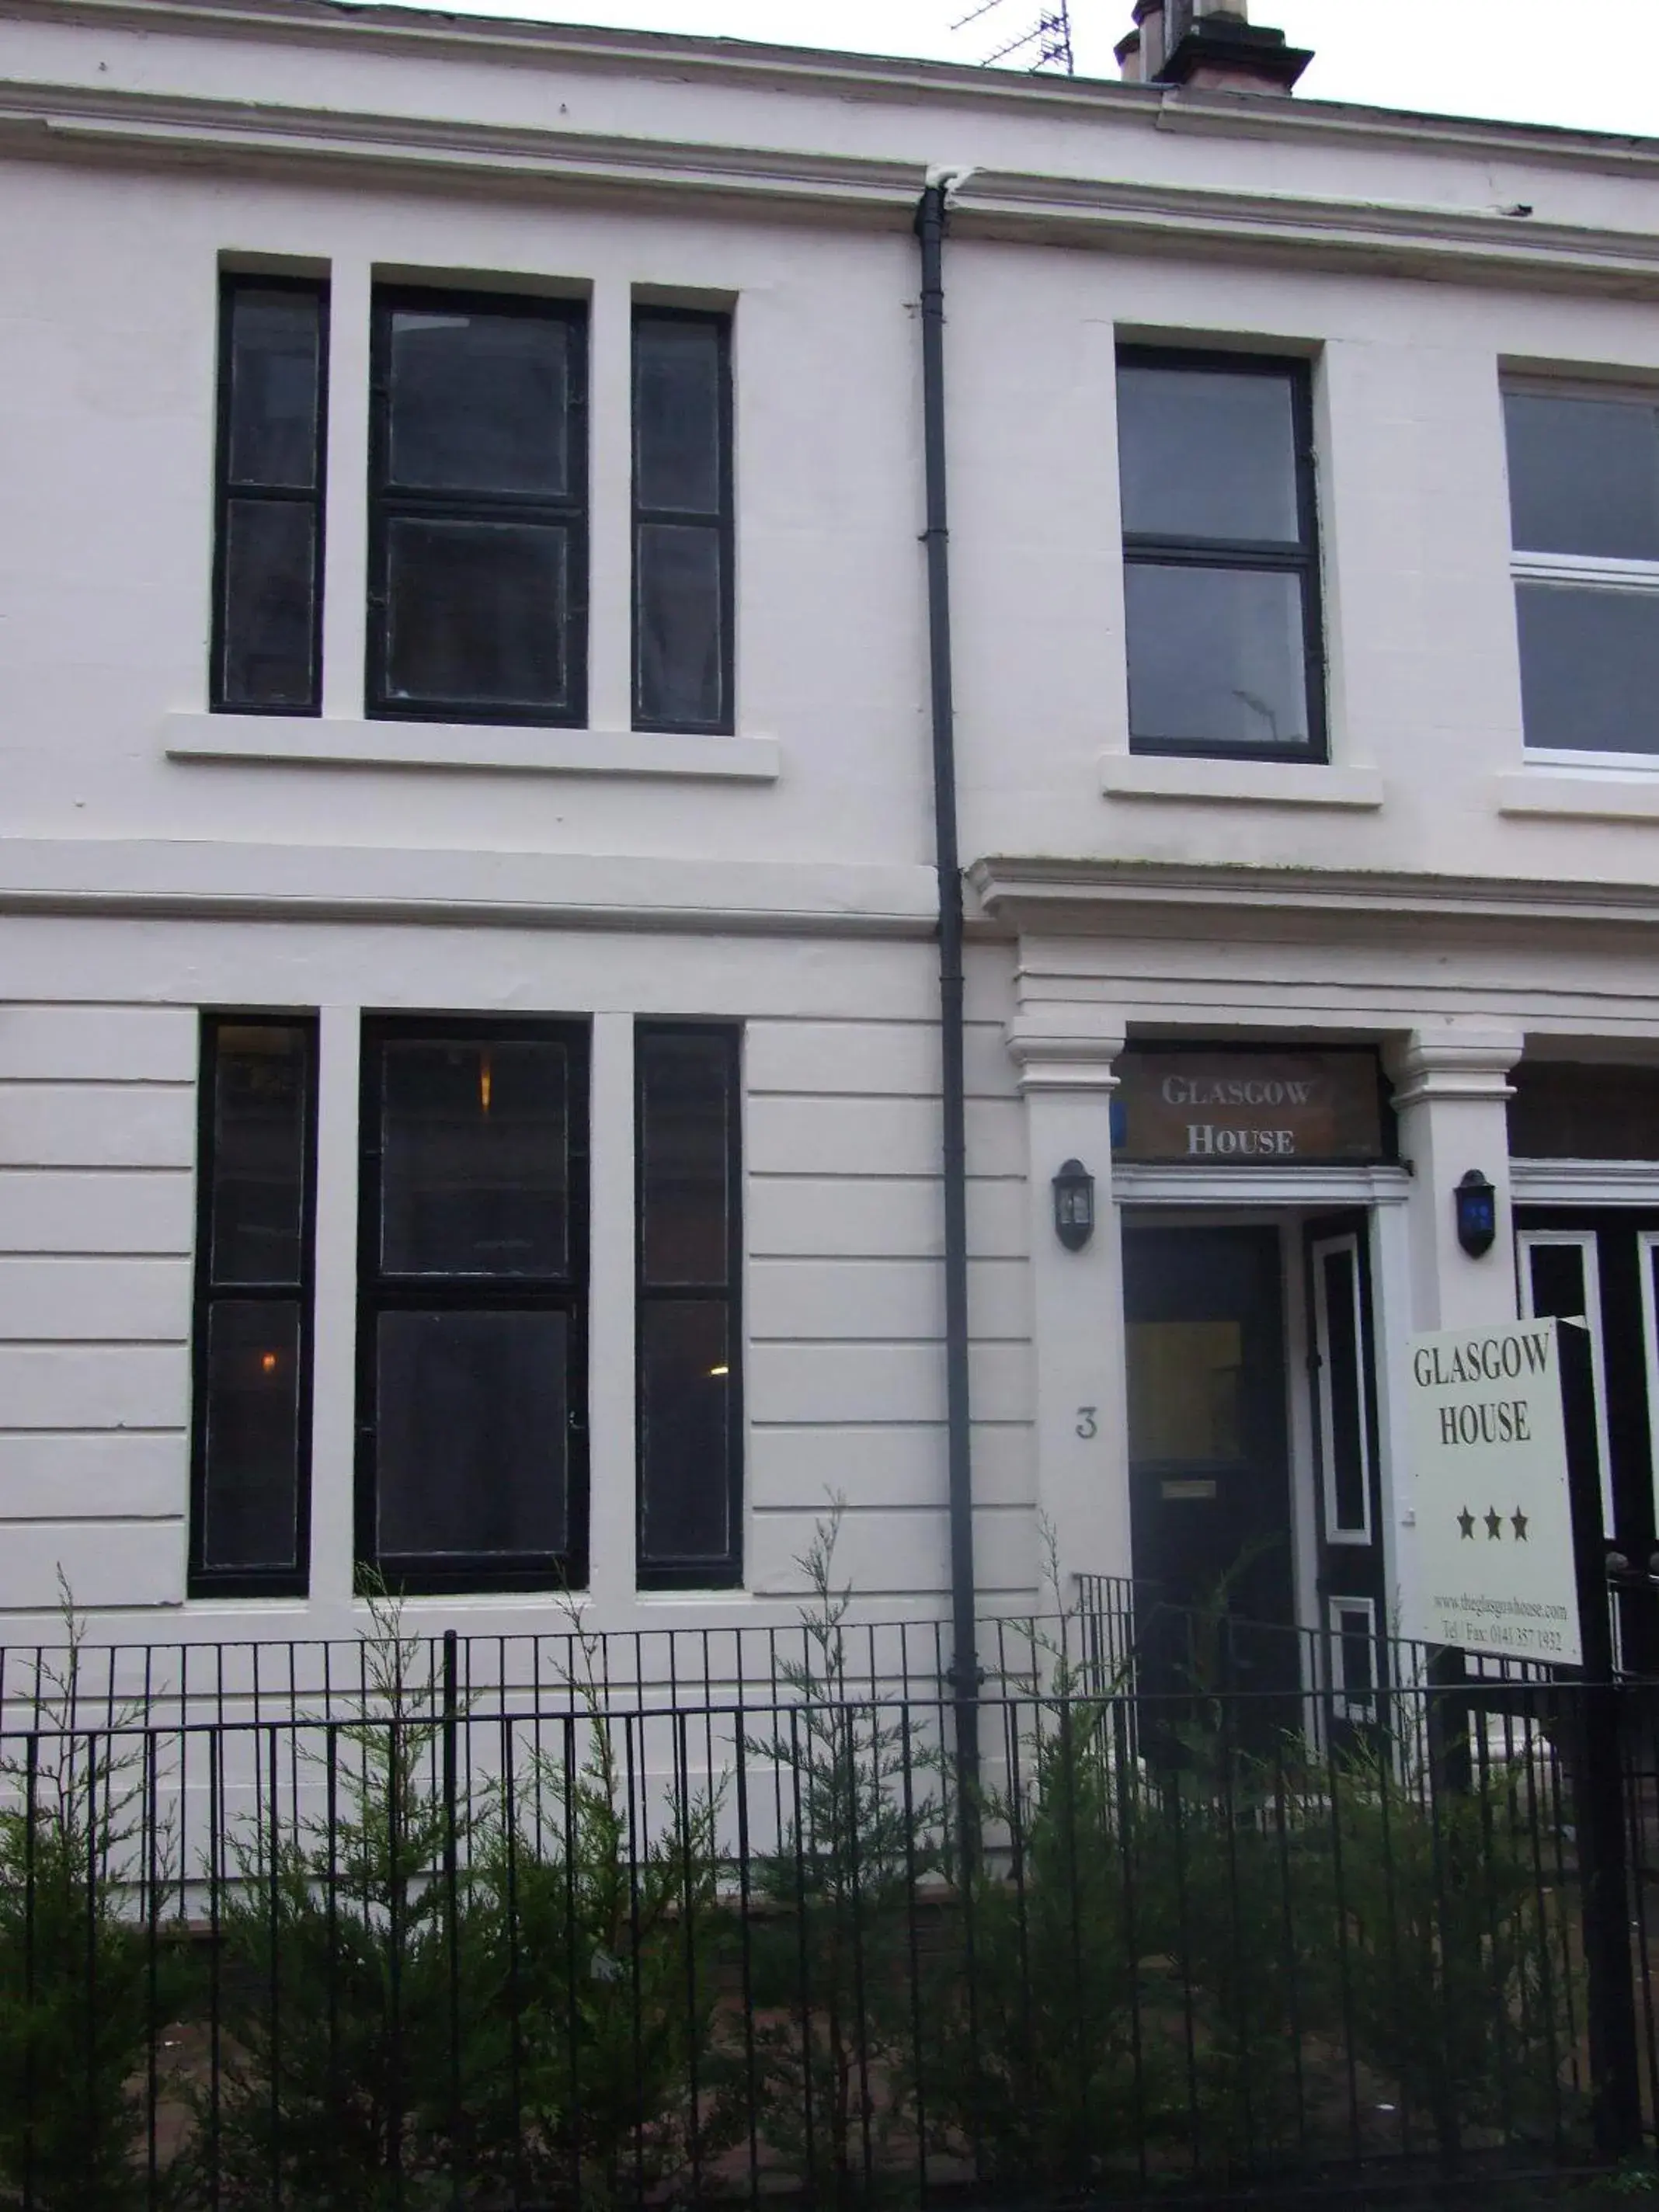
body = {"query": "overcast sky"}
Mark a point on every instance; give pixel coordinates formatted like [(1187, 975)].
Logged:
[(1538, 61)]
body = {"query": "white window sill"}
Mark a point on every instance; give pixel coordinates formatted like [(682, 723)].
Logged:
[(1583, 786), (1238, 783), (313, 741)]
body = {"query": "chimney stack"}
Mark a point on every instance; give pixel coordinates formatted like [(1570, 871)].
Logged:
[(1211, 45)]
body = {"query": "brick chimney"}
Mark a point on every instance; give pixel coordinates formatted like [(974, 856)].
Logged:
[(1209, 43)]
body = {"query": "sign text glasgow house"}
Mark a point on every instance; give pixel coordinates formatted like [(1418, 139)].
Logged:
[(1240, 1106)]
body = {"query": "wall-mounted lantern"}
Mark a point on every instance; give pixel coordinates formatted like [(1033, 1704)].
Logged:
[(1477, 1213), (1074, 1206)]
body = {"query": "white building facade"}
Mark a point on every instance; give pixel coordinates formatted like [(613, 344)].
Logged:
[(470, 1063)]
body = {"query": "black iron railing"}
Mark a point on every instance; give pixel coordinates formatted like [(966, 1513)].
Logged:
[(422, 1922)]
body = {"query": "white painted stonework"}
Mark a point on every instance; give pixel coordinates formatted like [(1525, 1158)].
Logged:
[(1430, 892)]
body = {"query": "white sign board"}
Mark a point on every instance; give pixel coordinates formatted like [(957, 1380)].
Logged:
[(1494, 1516)]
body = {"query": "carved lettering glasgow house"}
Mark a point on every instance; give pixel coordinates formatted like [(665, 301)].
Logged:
[(1247, 1105)]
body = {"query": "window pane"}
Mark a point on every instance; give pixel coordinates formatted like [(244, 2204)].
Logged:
[(1216, 656), (684, 1402), (475, 1165), (1590, 668), (259, 1155), (479, 402), (274, 362), (684, 1102), (270, 576), (1346, 1442), (1184, 1382), (472, 1412), (677, 618), (476, 612), (1204, 453), (250, 1509), (1358, 1648), (676, 415), (1564, 1111), (1583, 476), (1558, 1281)]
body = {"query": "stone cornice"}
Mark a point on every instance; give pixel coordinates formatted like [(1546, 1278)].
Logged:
[(66, 121), (1333, 1183), (1399, 239), (202, 880), (561, 45), (527, 42), (1080, 897), (1481, 245), (1475, 244), (1584, 1182)]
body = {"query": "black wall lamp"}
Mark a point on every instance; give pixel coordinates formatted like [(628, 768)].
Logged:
[(1477, 1213), (1074, 1206)]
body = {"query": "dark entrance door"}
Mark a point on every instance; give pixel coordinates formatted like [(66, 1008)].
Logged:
[(1209, 1464), (1603, 1263)]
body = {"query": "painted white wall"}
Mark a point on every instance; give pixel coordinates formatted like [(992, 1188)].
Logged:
[(843, 1363), (105, 565), (106, 355), (791, 891)]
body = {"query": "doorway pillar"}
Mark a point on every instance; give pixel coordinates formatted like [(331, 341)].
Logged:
[(1065, 1055), (1451, 1091)]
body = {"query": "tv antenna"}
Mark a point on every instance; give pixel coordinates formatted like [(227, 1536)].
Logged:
[(1044, 44)]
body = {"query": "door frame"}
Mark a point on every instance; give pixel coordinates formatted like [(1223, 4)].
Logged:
[(1647, 1243), (1173, 1202), (1351, 1565)]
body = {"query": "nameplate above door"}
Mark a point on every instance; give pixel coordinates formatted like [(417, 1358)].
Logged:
[(1226, 1107)]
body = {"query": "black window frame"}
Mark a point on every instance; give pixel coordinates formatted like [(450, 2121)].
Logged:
[(723, 523), (573, 511), (226, 488), (203, 1581), (725, 1572), (1153, 549), (476, 1572)]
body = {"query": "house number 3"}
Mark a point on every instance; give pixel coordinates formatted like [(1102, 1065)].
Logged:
[(1087, 1425)]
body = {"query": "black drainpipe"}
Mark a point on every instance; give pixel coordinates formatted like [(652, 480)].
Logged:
[(964, 1667)]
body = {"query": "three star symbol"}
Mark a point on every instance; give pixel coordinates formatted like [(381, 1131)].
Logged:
[(1494, 1520)]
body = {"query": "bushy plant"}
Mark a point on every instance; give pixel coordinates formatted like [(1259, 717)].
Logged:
[(91, 1973), (833, 1980), (1241, 1871), (1454, 1962), (354, 1998), (1043, 2066), (1237, 1873), (614, 2079)]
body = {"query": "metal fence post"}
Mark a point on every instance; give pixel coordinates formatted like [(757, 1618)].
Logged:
[(1604, 1872), (452, 1912)]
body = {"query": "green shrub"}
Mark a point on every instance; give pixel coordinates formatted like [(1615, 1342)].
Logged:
[(835, 1996), (613, 2079), (354, 1988), (90, 1975), (1043, 2064), (1453, 1960), (1242, 1871)]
